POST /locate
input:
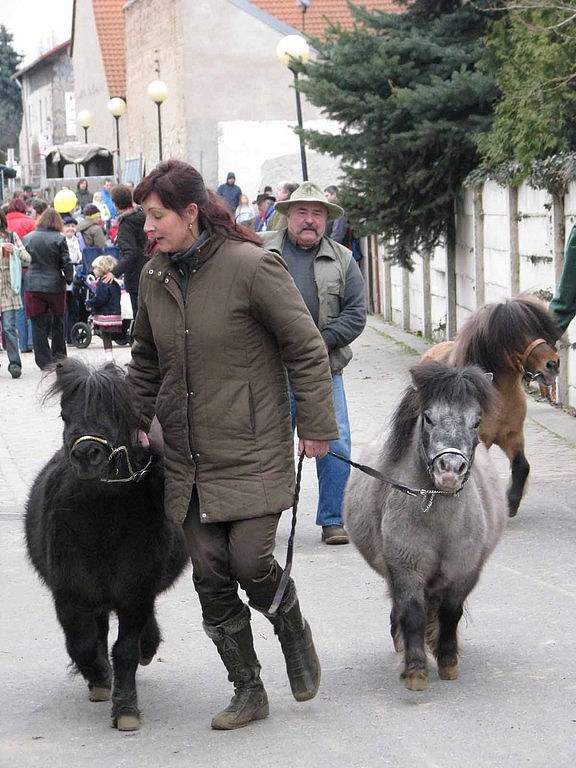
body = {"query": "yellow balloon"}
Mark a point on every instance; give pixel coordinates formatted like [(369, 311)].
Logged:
[(65, 201)]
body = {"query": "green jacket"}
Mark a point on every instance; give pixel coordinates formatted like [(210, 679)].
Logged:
[(212, 367), (563, 305), (330, 268)]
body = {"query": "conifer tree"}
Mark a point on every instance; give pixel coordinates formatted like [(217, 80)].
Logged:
[(410, 99), (10, 98)]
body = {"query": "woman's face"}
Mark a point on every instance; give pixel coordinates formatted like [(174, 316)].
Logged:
[(69, 230), (172, 231)]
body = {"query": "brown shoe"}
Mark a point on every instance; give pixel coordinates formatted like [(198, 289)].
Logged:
[(334, 534)]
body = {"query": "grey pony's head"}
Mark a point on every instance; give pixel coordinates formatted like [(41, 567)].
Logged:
[(448, 403)]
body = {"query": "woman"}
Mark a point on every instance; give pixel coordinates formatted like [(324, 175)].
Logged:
[(245, 213), (22, 224), (50, 269), (18, 221), (10, 301), (83, 194), (219, 324)]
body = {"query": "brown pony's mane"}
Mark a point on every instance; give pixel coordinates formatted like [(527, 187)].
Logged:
[(435, 381), (496, 334)]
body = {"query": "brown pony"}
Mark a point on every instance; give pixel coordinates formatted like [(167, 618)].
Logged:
[(513, 340)]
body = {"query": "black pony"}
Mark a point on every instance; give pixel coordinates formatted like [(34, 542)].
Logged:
[(97, 535)]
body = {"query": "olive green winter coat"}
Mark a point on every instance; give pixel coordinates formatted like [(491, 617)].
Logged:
[(213, 369)]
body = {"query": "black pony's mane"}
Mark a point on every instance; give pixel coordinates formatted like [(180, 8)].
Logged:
[(435, 382), (496, 334), (103, 389)]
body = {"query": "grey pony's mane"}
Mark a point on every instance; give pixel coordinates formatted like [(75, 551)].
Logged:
[(435, 382)]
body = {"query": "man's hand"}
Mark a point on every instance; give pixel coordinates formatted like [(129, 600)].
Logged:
[(107, 278), (314, 449)]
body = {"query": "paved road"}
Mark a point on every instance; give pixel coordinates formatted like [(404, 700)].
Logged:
[(513, 706)]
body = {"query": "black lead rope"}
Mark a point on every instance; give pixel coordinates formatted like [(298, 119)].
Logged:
[(290, 551), (363, 468)]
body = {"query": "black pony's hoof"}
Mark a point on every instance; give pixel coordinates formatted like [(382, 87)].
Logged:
[(126, 720), (513, 511), (145, 660), (99, 693)]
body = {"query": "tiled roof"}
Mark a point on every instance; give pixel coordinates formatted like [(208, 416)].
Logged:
[(320, 12), (110, 26)]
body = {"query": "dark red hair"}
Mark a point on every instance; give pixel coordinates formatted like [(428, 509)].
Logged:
[(17, 204), (178, 184)]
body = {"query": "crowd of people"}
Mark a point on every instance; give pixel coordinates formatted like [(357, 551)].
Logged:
[(44, 290)]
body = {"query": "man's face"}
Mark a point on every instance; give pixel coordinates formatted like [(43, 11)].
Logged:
[(330, 196), (69, 230), (231, 181), (307, 223), (108, 185)]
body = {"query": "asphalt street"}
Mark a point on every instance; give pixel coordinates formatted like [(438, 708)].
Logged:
[(513, 706)]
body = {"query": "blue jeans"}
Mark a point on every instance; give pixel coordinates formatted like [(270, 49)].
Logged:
[(11, 335), (24, 327), (332, 473)]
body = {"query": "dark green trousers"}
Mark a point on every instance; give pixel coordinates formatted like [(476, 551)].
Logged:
[(225, 555)]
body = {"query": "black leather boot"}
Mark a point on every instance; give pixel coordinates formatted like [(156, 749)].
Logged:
[(295, 635), (234, 642)]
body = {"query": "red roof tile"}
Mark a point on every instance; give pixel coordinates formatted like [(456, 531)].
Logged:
[(320, 12), (110, 26)]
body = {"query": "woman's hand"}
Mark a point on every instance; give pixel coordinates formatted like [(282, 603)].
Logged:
[(7, 249), (107, 278), (314, 449), (142, 438)]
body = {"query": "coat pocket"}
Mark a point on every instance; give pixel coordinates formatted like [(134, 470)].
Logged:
[(230, 408)]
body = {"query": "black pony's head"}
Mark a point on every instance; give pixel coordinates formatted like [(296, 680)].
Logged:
[(95, 405)]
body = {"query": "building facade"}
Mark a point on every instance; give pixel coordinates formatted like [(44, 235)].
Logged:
[(49, 115)]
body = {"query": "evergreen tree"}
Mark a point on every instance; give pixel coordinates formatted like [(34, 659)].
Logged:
[(410, 98), (10, 98), (532, 55)]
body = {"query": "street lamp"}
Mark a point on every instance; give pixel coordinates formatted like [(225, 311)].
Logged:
[(84, 117), (157, 92), (293, 50), (117, 107)]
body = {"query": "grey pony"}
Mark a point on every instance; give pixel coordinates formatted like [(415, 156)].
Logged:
[(431, 549)]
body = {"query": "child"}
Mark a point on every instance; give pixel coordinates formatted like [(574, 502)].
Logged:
[(105, 302)]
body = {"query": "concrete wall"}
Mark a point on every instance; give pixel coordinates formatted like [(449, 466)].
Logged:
[(233, 77), (509, 237), (154, 30)]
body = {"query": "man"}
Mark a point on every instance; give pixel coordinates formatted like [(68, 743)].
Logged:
[(333, 289), (231, 192), (277, 220), (131, 243), (337, 229), (107, 200)]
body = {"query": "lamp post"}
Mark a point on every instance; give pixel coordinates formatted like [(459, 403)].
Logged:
[(157, 92), (293, 50), (84, 117), (117, 107)]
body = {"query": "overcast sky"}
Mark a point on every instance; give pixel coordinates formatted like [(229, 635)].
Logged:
[(36, 25)]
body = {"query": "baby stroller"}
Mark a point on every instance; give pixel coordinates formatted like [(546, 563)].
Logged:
[(82, 332)]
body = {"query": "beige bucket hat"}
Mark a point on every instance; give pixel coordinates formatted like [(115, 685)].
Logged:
[(308, 192)]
